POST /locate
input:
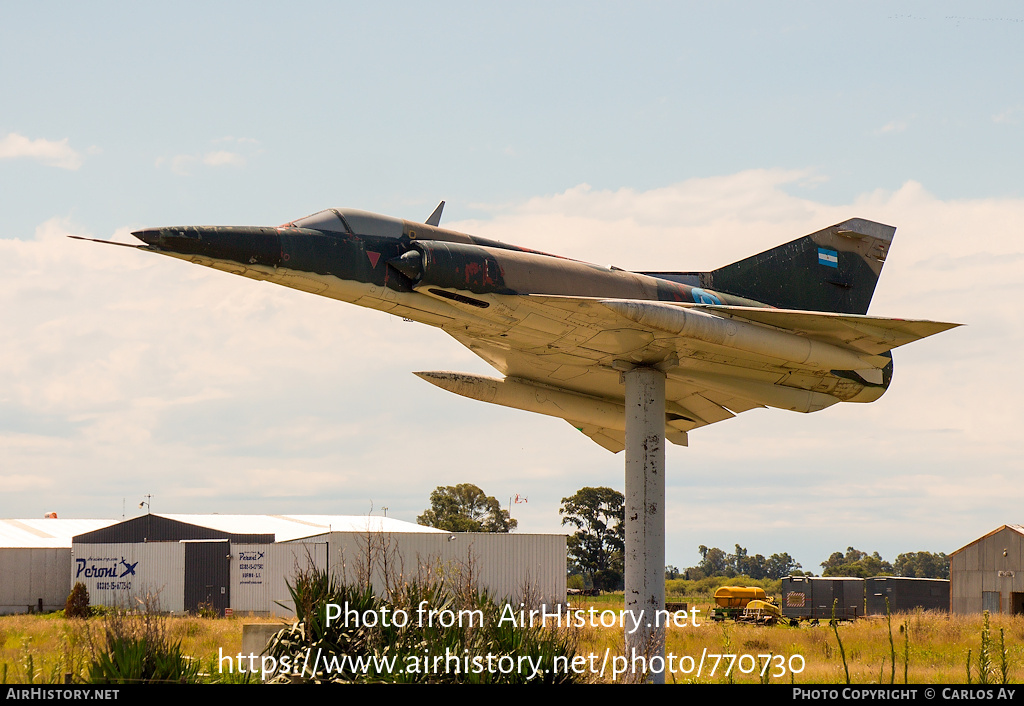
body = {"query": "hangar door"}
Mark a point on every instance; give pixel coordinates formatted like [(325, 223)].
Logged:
[(207, 574)]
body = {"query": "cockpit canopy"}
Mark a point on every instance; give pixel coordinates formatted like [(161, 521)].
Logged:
[(350, 221)]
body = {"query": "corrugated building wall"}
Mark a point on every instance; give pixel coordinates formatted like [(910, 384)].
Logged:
[(509, 566), (35, 557), (121, 575), (988, 573), (260, 574), (30, 575), (230, 561)]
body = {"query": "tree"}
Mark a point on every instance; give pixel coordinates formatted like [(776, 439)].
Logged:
[(781, 565), (599, 516), (465, 508), (856, 563), (922, 565), (715, 562)]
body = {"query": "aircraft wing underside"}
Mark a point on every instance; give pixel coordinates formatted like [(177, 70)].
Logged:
[(580, 346)]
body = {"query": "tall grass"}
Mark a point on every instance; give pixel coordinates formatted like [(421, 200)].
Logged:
[(52, 649), (135, 647), (413, 649), (842, 652), (986, 671)]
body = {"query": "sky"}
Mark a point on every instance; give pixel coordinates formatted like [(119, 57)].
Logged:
[(651, 136)]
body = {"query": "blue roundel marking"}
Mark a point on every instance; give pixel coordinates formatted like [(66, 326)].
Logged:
[(702, 297)]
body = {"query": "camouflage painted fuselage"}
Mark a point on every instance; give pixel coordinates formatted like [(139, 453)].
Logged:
[(561, 330), (413, 255)]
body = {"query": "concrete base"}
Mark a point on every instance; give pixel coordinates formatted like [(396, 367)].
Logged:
[(255, 637)]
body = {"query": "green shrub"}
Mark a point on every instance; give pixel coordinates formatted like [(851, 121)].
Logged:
[(708, 585), (77, 604)]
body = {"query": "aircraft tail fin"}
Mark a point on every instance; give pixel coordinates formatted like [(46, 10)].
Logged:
[(834, 270)]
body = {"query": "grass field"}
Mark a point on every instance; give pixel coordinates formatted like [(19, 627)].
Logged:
[(928, 648)]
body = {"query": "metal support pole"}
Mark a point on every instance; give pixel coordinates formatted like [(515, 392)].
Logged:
[(645, 518)]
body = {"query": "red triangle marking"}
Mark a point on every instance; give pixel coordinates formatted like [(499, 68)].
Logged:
[(374, 256)]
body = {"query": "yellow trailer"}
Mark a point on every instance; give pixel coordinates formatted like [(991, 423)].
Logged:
[(731, 600), (762, 612)]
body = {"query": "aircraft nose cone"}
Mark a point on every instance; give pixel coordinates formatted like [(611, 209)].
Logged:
[(149, 237), (176, 235), (244, 244)]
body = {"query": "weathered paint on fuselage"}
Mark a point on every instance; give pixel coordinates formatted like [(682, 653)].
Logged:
[(561, 331), (423, 256), (473, 288)]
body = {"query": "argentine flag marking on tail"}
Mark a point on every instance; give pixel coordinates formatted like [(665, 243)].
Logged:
[(828, 257)]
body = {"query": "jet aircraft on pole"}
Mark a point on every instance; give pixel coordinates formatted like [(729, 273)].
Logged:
[(630, 359)]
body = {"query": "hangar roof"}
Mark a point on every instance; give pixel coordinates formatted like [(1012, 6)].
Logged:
[(45, 533), (1019, 529), (288, 527)]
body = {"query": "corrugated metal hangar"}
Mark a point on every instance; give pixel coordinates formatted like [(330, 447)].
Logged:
[(988, 573), (35, 559), (243, 562)]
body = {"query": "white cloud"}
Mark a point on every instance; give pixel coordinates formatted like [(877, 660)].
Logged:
[(694, 224), (222, 158), (1010, 116), (239, 140), (24, 483), (892, 126), (183, 164), (54, 154)]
